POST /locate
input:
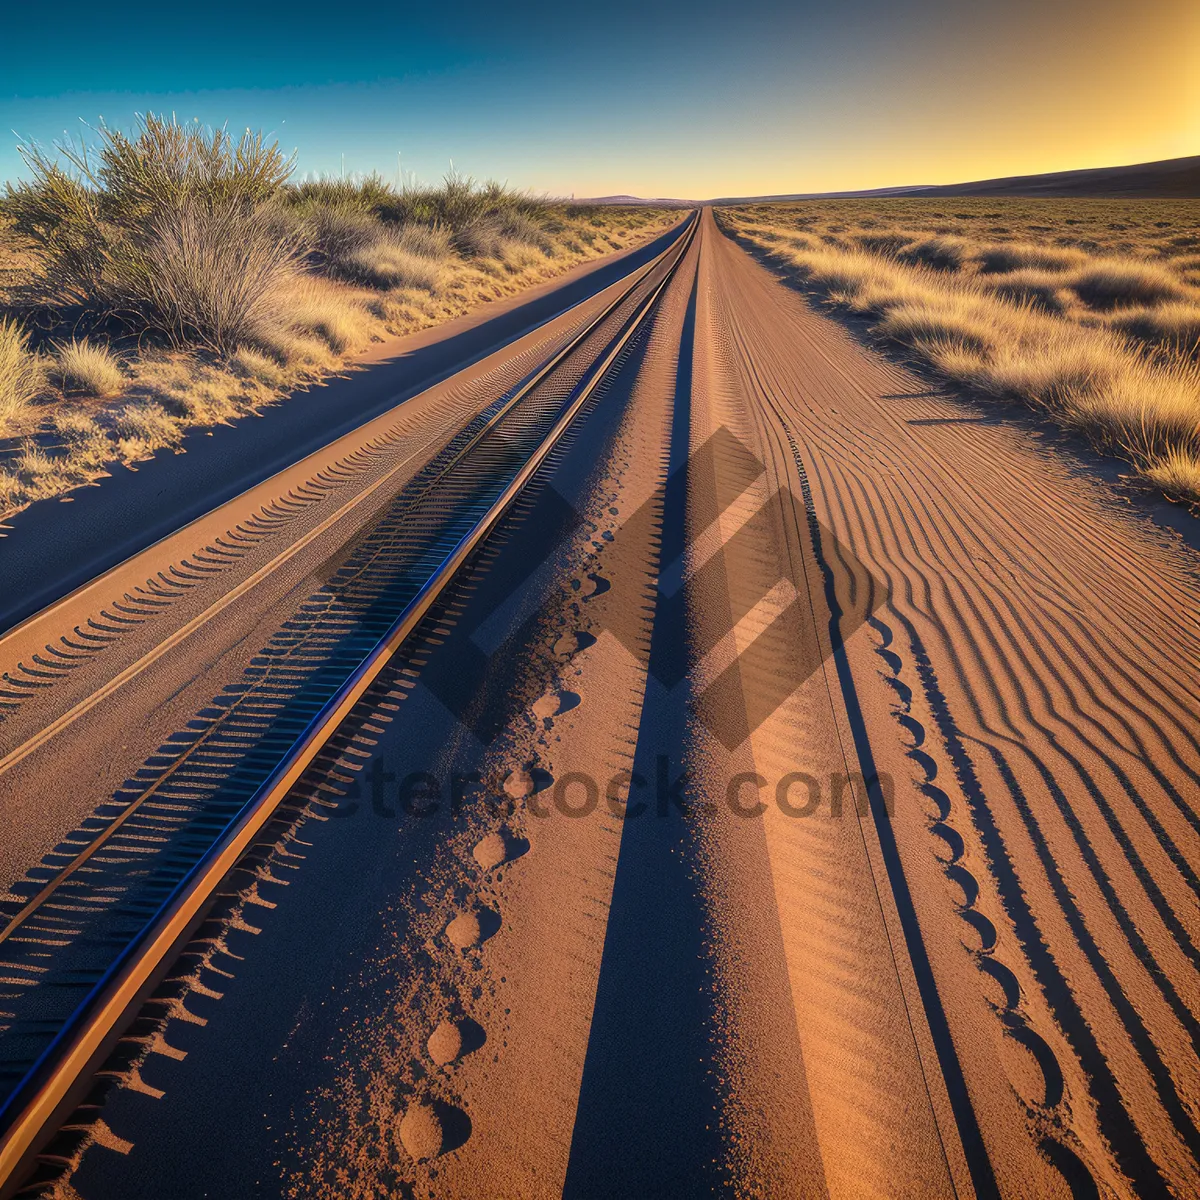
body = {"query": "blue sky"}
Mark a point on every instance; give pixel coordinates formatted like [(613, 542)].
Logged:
[(697, 100)]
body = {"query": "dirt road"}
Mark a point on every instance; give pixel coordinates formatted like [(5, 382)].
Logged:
[(800, 797)]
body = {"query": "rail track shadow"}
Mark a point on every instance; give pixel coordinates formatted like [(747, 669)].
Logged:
[(646, 1120)]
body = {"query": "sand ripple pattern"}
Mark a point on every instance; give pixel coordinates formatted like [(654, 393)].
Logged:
[(1050, 641)]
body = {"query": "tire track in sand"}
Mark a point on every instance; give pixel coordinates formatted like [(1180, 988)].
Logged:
[(1060, 646)]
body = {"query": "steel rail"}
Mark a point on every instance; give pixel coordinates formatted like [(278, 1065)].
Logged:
[(33, 743), (522, 390), (55, 1084)]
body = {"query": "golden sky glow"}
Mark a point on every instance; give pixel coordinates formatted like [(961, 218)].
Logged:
[(697, 101)]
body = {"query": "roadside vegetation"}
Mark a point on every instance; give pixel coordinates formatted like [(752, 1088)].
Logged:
[(1088, 310), (177, 276)]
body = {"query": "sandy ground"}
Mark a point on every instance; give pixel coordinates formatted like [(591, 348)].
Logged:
[(836, 831), (142, 647)]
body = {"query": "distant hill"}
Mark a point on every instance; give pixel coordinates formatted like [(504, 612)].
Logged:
[(1177, 178), (1172, 178), (919, 189), (641, 200)]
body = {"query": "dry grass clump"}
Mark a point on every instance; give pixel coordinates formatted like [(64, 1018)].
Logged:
[(498, 236), (1177, 473), (369, 234), (318, 309), (147, 422), (1002, 257), (347, 215), (1044, 288), (887, 242), (937, 329), (944, 253), (260, 367), (84, 367), (1034, 334), (33, 463), (22, 376), (10, 490), (1115, 283), (334, 231), (387, 263), (213, 278), (83, 435), (1174, 327), (425, 241)]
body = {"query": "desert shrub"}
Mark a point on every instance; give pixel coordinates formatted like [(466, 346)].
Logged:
[(60, 215), (460, 202), (166, 164), (82, 366), (167, 231), (519, 227), (456, 204), (210, 276), (352, 244), (368, 193), (426, 241), (1112, 283), (22, 376), (486, 235), (336, 231), (479, 239)]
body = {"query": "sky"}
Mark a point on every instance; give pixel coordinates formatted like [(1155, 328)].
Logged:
[(707, 99)]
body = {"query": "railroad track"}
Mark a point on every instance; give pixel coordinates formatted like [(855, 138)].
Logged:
[(86, 945)]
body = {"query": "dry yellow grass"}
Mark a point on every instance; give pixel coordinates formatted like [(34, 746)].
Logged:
[(22, 377), (315, 327), (226, 286), (1174, 327), (84, 367), (387, 264), (1104, 342)]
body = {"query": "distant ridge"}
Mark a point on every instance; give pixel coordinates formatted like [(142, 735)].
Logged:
[(660, 202), (1171, 178)]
